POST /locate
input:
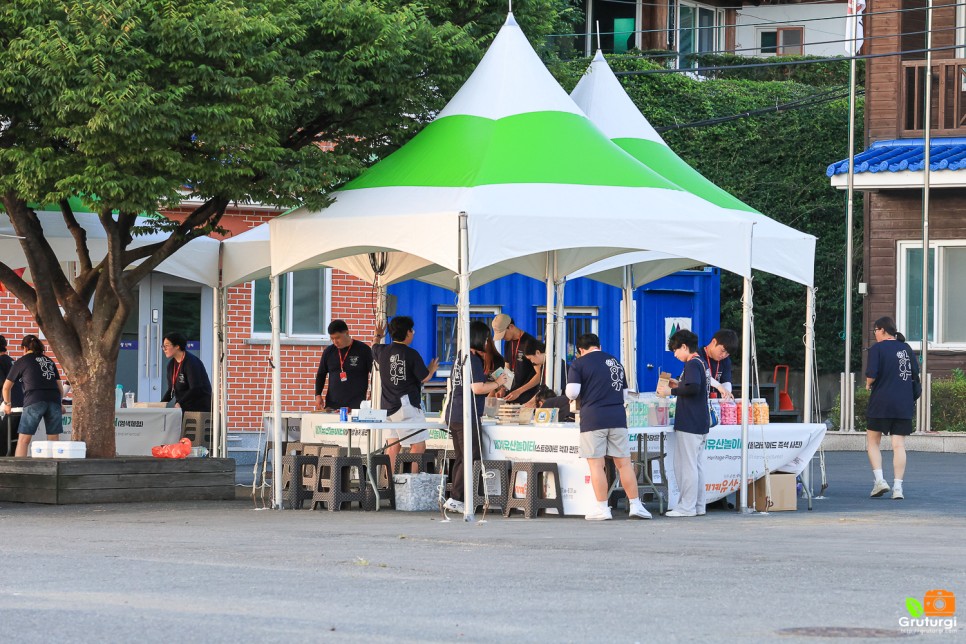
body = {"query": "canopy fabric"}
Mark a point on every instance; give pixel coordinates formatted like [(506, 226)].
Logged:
[(246, 256), (533, 175), (776, 248), (646, 266), (197, 260)]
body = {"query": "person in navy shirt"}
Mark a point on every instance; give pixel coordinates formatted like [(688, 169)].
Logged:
[(717, 356), (346, 364), (892, 375), (453, 413), (596, 379), (692, 422), (402, 373), (43, 392)]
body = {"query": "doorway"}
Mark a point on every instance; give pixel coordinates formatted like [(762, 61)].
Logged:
[(165, 304)]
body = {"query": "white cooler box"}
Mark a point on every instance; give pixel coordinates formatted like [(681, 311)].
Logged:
[(418, 492), (41, 449), (68, 449)]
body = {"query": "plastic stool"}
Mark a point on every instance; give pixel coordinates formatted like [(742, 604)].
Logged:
[(335, 484), (196, 425), (533, 501), (425, 462), (387, 490), (494, 468)]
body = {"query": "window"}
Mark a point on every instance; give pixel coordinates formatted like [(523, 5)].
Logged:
[(783, 41), (697, 29), (947, 308), (579, 320), (304, 296), (446, 331), (618, 26)]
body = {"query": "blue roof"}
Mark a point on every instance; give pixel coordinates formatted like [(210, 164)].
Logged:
[(906, 154)]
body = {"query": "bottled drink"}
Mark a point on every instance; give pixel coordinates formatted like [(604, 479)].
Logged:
[(118, 396)]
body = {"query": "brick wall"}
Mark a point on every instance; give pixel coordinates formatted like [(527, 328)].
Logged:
[(248, 371)]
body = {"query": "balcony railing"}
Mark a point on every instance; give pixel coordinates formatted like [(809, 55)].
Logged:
[(948, 97)]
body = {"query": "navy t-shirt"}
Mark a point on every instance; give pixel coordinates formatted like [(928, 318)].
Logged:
[(691, 413), (602, 384), (720, 370), (356, 362), (16, 394), (523, 370), (401, 370), (39, 376), (454, 411), (894, 368)]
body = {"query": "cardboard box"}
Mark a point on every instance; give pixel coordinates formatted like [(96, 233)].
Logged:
[(784, 493)]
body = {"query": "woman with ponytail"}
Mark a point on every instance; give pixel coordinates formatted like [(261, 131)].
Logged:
[(43, 391)]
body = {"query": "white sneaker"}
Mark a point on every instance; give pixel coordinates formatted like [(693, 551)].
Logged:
[(880, 488), (599, 515), (638, 510), (678, 513), (454, 506), (897, 493)]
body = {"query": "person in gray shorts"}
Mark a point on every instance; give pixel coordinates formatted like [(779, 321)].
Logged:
[(597, 380)]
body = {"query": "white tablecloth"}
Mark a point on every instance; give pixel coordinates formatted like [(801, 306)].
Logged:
[(327, 428), (136, 430), (783, 447)]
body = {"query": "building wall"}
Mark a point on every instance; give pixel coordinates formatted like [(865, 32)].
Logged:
[(896, 215), (820, 23)]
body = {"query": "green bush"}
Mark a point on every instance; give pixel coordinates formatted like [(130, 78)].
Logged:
[(948, 405)]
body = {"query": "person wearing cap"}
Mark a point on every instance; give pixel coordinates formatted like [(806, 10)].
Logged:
[(526, 376)]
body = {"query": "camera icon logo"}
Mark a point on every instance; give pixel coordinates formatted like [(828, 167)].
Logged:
[(939, 603)]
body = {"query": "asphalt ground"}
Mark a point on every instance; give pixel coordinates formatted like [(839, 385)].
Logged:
[(226, 572)]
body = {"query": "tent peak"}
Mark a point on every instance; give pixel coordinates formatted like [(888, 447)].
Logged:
[(510, 20), (599, 56)]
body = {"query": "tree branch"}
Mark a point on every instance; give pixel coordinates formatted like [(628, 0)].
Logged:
[(79, 234)]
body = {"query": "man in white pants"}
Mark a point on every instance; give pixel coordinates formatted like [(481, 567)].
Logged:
[(597, 380)]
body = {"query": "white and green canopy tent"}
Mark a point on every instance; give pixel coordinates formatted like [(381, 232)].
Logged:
[(510, 177), (776, 248)]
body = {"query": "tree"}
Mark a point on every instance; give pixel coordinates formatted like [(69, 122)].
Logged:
[(134, 106)]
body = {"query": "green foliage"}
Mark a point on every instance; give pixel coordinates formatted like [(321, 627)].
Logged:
[(774, 162), (861, 405), (949, 403), (830, 72)]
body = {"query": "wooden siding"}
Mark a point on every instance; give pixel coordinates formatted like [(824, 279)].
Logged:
[(893, 216)]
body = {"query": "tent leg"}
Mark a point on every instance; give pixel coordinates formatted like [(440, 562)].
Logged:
[(550, 365), (276, 395), (560, 350), (745, 381), (469, 408)]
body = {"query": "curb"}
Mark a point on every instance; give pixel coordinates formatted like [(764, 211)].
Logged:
[(941, 442)]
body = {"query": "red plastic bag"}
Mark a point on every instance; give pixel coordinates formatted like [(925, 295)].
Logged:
[(181, 449)]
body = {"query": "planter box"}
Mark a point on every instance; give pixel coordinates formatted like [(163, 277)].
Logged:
[(117, 480)]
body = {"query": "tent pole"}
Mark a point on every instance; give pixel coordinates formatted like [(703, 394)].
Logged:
[(628, 325), (223, 366), (469, 405), (923, 419), (745, 383), (216, 375), (809, 352), (560, 351), (550, 367), (276, 363)]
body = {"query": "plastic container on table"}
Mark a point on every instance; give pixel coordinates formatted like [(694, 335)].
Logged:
[(751, 417), (760, 411), (729, 412)]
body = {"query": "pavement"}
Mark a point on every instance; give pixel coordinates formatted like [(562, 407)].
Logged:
[(227, 572)]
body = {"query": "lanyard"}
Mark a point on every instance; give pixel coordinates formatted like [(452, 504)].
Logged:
[(343, 357), (513, 362), (717, 372), (177, 370)]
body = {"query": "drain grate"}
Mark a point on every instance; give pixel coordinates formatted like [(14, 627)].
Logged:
[(843, 631)]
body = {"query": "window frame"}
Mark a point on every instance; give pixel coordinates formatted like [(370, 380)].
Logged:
[(592, 311), (286, 333), (717, 29), (779, 47), (939, 285), (449, 311)]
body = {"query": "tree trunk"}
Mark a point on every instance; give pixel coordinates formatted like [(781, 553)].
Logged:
[(93, 411)]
